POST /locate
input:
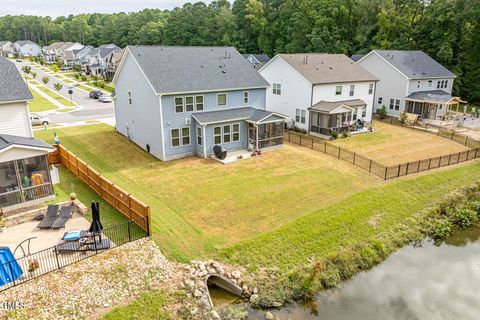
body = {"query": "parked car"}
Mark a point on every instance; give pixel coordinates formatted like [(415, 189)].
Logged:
[(64, 68), (105, 98), (19, 60), (95, 94), (38, 120)]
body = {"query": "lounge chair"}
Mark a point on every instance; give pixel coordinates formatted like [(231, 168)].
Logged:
[(49, 218), (65, 214), (70, 246)]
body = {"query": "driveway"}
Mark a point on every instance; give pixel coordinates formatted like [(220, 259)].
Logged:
[(91, 109)]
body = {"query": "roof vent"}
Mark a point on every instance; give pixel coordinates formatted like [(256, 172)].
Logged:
[(305, 60), (224, 71), (331, 68)]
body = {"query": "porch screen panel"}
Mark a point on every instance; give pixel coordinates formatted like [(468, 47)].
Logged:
[(34, 177), (10, 193)]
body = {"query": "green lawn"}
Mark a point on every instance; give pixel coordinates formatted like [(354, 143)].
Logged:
[(57, 97), (67, 81), (70, 183), (200, 206), (83, 88), (39, 103)]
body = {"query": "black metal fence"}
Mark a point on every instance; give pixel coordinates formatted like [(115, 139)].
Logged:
[(384, 172), (31, 266)]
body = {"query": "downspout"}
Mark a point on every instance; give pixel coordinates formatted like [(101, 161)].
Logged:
[(161, 128), (204, 137)]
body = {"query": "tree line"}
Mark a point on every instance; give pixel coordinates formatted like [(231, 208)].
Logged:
[(447, 30)]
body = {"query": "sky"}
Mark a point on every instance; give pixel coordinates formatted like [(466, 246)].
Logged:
[(55, 8)]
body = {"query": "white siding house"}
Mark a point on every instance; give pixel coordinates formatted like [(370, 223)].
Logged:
[(27, 48), (410, 81), (24, 174), (319, 92)]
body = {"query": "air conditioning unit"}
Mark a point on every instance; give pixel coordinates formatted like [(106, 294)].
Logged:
[(188, 121)]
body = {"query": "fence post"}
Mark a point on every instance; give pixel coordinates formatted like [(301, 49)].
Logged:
[(325, 147), (418, 167), (312, 143), (370, 167), (354, 156), (466, 140), (95, 244), (129, 233), (386, 169), (289, 132), (149, 223), (408, 166), (129, 206), (398, 171), (101, 187), (11, 272), (56, 256), (451, 137), (300, 143), (339, 152), (449, 158), (429, 163)]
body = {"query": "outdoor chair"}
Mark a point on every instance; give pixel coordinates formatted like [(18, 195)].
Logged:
[(65, 214), (50, 217)]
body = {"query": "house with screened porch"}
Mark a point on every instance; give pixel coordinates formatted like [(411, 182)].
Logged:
[(321, 93), (176, 102)]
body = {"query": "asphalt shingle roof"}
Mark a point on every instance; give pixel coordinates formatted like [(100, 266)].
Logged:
[(357, 57), (322, 68), (7, 140), (433, 95), (329, 106), (12, 85), (190, 69), (415, 64), (247, 113)]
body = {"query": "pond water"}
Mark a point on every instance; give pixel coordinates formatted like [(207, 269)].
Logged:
[(415, 283)]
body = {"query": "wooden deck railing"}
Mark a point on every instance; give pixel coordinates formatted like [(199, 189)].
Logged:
[(124, 202)]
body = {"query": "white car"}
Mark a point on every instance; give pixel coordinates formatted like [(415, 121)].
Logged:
[(105, 98), (38, 120)]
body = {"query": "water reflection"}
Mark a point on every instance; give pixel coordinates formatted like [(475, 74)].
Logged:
[(427, 282)]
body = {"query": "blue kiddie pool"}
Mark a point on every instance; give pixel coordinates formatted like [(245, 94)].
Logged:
[(9, 268)]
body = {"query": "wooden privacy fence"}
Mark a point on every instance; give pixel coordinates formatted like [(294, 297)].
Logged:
[(124, 202), (384, 172)]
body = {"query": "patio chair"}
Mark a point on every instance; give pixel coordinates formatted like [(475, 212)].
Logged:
[(50, 217), (65, 214), (69, 246)]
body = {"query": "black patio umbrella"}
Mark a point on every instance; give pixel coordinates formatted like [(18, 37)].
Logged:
[(96, 226)]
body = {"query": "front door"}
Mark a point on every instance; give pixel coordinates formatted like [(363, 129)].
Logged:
[(252, 136)]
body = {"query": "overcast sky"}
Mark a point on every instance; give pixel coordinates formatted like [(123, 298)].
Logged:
[(55, 8)]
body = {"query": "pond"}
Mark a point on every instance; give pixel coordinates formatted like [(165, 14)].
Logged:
[(415, 283)]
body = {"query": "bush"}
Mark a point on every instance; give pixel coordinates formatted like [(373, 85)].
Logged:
[(330, 278), (345, 134), (441, 228), (403, 117), (383, 112), (77, 76), (45, 79), (100, 84), (84, 77), (334, 134), (464, 217)]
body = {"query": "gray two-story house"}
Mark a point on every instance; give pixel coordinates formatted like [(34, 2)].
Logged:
[(182, 101)]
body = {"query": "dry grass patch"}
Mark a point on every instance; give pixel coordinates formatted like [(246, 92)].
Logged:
[(391, 145)]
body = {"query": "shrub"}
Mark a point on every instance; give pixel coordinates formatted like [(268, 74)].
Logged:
[(464, 217), (58, 86), (34, 75), (383, 112), (403, 117), (334, 134), (345, 134), (84, 77), (45, 79), (330, 278), (440, 229), (100, 84), (77, 76), (55, 68)]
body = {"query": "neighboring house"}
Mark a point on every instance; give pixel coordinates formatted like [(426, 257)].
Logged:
[(320, 92), (67, 52), (26, 48), (52, 52), (24, 174), (6, 49), (113, 61), (257, 60), (81, 56), (410, 81), (97, 61), (182, 101)]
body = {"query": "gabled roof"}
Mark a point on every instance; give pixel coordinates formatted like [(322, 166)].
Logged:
[(194, 69), (7, 141), (105, 49), (433, 96), (357, 57), (331, 106), (12, 85), (322, 68), (21, 43), (415, 64), (235, 114), (260, 58)]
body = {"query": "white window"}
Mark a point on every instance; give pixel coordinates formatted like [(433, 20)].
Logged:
[(430, 83), (245, 97), (397, 104), (186, 136), (227, 133), (446, 84), (354, 114), (277, 88), (180, 137), (178, 104), (352, 90), (338, 90), (189, 104), (175, 136), (370, 88), (217, 135), (199, 103), (300, 115), (438, 84), (129, 97), (221, 99), (236, 132), (303, 116), (392, 104), (380, 100), (199, 136)]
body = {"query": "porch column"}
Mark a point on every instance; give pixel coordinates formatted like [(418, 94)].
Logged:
[(256, 137), (20, 185), (204, 141)]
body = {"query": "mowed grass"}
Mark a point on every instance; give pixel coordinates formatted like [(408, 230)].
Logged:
[(357, 219), (39, 103), (390, 144), (200, 206), (57, 97)]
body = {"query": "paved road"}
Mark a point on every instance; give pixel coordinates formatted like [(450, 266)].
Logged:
[(92, 109)]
